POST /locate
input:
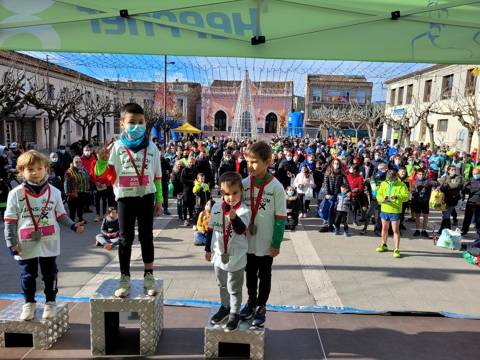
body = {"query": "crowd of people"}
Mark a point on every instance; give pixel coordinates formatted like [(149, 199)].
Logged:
[(286, 181)]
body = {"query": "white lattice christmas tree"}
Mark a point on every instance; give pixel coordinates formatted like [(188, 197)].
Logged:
[(244, 122)]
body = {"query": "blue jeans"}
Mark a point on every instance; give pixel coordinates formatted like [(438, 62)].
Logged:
[(29, 273)]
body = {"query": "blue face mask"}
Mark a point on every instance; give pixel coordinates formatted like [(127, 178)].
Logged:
[(290, 193), (135, 131), (476, 176)]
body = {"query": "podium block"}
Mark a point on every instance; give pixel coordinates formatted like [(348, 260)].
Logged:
[(105, 309), (44, 333), (215, 335)]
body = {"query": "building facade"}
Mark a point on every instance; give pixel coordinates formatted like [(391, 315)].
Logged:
[(333, 91), (30, 126), (440, 89), (272, 102)]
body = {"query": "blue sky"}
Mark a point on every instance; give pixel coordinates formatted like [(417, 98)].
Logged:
[(206, 69)]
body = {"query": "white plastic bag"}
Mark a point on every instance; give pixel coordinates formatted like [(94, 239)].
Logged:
[(450, 239)]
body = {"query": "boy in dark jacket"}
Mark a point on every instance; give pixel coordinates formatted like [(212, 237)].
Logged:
[(342, 206), (472, 208)]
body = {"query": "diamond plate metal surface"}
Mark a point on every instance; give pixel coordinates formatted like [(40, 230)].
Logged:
[(45, 333), (215, 334), (149, 309)]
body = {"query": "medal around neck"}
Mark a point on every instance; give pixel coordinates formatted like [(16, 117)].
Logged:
[(225, 258), (252, 229), (36, 235)]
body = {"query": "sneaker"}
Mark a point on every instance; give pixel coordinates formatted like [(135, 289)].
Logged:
[(198, 243), (123, 286), (382, 248), (346, 234), (150, 285), (396, 253), (96, 218), (186, 223), (363, 231), (416, 233), (98, 244), (402, 227), (377, 233), (424, 233), (108, 246), (220, 315), (166, 212), (337, 232), (50, 310), (28, 311), (259, 317), (247, 311), (232, 323)]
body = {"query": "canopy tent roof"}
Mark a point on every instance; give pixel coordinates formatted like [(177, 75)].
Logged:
[(188, 129), (429, 31)]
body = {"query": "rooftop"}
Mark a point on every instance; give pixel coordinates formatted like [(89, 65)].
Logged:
[(416, 73)]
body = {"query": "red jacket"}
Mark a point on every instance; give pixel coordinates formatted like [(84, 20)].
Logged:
[(88, 164), (355, 182)]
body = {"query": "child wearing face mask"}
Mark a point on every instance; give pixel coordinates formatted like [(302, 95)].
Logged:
[(342, 207), (132, 165), (110, 230), (293, 208)]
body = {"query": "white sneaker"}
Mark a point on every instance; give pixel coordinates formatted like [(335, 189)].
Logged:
[(123, 287), (28, 311), (50, 310), (150, 285), (96, 218)]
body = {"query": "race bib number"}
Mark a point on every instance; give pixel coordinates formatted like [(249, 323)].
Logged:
[(132, 181), (26, 233)]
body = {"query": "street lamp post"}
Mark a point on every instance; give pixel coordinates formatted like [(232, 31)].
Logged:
[(165, 99)]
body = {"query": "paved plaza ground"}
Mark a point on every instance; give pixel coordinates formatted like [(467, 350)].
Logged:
[(313, 269)]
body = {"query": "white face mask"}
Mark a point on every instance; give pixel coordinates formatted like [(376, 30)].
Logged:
[(87, 153)]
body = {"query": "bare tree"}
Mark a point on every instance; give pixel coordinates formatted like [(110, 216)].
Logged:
[(12, 93), (58, 107), (88, 113), (374, 120)]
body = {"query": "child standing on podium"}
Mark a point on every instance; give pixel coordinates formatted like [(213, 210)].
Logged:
[(34, 212), (132, 165), (227, 248)]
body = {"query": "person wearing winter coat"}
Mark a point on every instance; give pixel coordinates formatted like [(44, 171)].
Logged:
[(472, 208), (342, 207), (188, 177), (359, 201), (304, 184), (332, 182), (293, 208), (451, 184)]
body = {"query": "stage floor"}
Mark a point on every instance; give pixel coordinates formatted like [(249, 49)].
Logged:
[(288, 336)]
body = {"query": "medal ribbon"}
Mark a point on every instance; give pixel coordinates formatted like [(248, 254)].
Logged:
[(226, 232), (139, 175), (258, 200), (42, 211)]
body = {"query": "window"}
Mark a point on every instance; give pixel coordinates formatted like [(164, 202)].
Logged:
[(427, 90), (220, 121), (408, 100), (338, 96), (50, 92), (442, 125), (447, 86), (471, 81), (179, 106), (108, 128), (271, 123), (317, 94), (361, 96), (392, 96), (78, 129), (400, 96)]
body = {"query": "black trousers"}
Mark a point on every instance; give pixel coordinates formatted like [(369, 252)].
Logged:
[(76, 207), (259, 277), (131, 209), (29, 273), (165, 195), (101, 197), (470, 212), (341, 218)]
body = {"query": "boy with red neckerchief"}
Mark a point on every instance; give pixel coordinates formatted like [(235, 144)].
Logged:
[(132, 166), (226, 240), (265, 196)]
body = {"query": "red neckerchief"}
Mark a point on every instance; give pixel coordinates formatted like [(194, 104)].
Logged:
[(254, 206), (139, 175), (42, 211)]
